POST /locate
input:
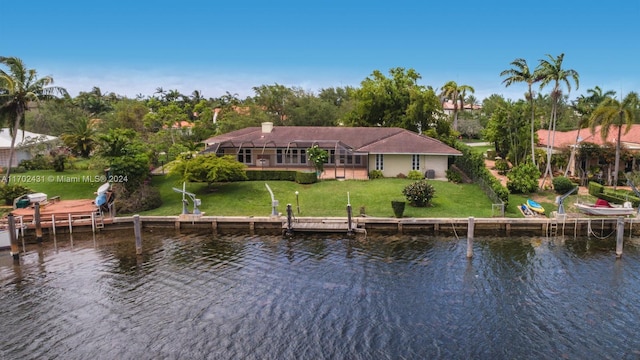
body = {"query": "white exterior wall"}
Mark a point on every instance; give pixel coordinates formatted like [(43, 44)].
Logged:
[(401, 164)]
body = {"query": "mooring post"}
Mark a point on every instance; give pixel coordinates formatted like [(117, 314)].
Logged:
[(289, 230), (36, 218), (15, 247), (470, 229), (349, 224), (137, 232), (619, 237)]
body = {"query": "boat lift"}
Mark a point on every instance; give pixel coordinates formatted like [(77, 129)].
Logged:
[(185, 202), (633, 187), (560, 200)]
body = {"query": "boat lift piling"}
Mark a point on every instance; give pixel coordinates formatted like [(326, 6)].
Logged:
[(619, 237), (36, 219), (15, 247), (137, 232), (470, 230)]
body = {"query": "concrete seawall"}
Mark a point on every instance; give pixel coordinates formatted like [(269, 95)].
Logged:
[(569, 226)]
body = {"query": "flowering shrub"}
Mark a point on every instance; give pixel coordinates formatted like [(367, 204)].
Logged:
[(419, 193)]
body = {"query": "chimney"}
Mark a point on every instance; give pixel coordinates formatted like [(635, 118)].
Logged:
[(267, 127)]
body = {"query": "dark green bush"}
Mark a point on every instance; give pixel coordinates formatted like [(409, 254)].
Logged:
[(375, 174), (419, 193), (562, 184), (473, 165), (12, 191), (523, 179), (144, 197), (287, 175), (38, 162), (453, 176), (306, 177), (502, 166), (58, 162)]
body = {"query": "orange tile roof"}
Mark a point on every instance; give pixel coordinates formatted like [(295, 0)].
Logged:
[(568, 138)]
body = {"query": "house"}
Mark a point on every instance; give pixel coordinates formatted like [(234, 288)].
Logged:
[(448, 107), (569, 139), (27, 144), (353, 151), (185, 127)]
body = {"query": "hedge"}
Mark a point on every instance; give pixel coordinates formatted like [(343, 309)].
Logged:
[(612, 196), (301, 177)]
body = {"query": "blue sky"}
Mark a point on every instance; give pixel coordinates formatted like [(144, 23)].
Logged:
[(134, 47)]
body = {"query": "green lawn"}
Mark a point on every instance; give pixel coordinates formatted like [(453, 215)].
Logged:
[(325, 198), (251, 198)]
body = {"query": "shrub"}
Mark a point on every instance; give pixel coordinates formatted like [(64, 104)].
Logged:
[(502, 166), (12, 191), (376, 174), (454, 176), (401, 176), (562, 184), (415, 175), (419, 193), (306, 177), (58, 162), (144, 197), (523, 179)]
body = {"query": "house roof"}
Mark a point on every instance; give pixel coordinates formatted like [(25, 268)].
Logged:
[(568, 138), (374, 140), (23, 137)]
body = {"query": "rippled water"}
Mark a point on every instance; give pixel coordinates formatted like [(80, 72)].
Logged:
[(200, 296)]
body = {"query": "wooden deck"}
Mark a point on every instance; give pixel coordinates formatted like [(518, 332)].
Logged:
[(321, 225)]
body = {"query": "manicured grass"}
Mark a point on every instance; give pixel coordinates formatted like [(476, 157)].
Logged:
[(70, 184), (325, 198), (251, 198)]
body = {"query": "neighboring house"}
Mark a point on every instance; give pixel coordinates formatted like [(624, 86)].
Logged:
[(27, 144), (448, 107), (353, 151), (185, 127), (567, 140)]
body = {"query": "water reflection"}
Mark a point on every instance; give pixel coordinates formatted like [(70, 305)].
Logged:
[(200, 296)]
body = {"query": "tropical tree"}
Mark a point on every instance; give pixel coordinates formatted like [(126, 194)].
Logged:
[(456, 93), (584, 107), (551, 72), (18, 88), (80, 137), (521, 73), (613, 113)]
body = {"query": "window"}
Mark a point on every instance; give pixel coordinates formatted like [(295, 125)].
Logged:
[(415, 162), (379, 162), (244, 156), (279, 156)]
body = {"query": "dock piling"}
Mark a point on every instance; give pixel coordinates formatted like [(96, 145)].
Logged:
[(349, 223), (36, 219), (15, 247), (619, 237), (138, 233), (470, 230)]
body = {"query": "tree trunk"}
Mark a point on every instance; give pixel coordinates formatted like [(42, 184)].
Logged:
[(617, 163), (16, 126), (533, 120)]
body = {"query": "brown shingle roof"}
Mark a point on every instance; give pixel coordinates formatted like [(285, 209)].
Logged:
[(379, 140)]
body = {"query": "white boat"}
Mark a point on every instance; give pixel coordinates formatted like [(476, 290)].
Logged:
[(603, 208), (5, 239)]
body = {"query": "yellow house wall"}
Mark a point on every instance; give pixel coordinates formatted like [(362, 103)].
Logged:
[(401, 164)]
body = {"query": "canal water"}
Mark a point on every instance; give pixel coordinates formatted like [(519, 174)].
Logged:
[(202, 296)]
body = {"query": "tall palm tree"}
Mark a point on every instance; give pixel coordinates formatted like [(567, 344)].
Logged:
[(584, 107), (521, 73), (19, 87), (551, 72), (457, 94), (613, 113)]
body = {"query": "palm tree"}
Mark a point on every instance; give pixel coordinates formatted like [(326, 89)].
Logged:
[(518, 74), (584, 107), (80, 137), (19, 87), (550, 71), (456, 93), (613, 113)]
